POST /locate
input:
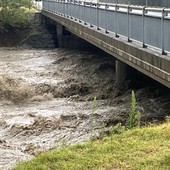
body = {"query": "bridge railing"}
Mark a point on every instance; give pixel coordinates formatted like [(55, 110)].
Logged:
[(145, 26)]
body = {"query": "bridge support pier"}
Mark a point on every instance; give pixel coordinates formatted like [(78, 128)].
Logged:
[(60, 34), (121, 71)]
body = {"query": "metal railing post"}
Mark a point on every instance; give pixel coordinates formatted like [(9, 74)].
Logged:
[(128, 10), (52, 7), (75, 11), (64, 8), (57, 6), (146, 3), (67, 13), (79, 5), (84, 13), (71, 13), (90, 15), (116, 8), (143, 27), (106, 19), (162, 31), (97, 17)]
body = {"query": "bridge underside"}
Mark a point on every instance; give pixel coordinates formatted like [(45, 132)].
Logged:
[(150, 63)]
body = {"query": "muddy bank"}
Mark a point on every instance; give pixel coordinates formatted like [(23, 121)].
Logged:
[(47, 100)]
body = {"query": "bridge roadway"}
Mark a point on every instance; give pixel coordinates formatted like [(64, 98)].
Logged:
[(134, 35)]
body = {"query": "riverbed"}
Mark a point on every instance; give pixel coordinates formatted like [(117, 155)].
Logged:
[(57, 97)]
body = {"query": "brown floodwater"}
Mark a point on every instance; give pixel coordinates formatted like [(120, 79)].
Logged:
[(47, 100)]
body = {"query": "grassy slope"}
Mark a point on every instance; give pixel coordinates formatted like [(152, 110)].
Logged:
[(140, 149)]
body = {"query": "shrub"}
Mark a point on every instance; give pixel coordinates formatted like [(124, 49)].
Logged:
[(12, 15)]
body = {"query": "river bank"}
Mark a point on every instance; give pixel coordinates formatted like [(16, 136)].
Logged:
[(138, 148)]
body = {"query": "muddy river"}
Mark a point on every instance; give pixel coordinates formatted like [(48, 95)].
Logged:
[(47, 100)]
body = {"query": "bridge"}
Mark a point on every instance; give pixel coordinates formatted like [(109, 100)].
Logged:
[(137, 36)]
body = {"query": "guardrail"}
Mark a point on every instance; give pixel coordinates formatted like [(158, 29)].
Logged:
[(146, 26)]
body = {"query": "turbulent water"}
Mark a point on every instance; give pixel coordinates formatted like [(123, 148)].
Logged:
[(47, 100)]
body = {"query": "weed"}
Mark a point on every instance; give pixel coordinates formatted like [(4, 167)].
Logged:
[(134, 116)]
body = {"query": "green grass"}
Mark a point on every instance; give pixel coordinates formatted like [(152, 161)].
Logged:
[(145, 148)]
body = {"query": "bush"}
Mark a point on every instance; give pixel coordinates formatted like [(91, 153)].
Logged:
[(12, 15)]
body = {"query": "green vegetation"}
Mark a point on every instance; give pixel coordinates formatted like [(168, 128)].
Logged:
[(134, 116), (13, 14), (144, 148)]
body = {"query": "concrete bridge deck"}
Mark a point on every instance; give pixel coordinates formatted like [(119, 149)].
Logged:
[(154, 61)]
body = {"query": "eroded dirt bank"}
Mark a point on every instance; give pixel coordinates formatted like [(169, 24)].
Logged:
[(47, 100)]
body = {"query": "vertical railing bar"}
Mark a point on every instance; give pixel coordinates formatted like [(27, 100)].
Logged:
[(106, 19), (128, 11), (116, 8), (84, 14), (67, 15), (74, 10), (75, 5), (71, 13), (89, 19), (98, 16), (64, 8), (79, 10), (143, 27), (52, 7), (91, 25), (57, 6), (62, 3), (162, 31)]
